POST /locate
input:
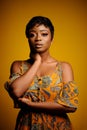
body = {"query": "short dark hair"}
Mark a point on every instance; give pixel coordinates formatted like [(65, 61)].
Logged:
[(39, 20)]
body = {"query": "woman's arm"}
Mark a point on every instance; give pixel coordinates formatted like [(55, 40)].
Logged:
[(47, 106), (21, 84)]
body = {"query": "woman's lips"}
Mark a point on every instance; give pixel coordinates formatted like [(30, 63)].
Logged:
[(38, 45)]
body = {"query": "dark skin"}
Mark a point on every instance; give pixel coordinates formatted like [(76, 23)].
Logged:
[(40, 64)]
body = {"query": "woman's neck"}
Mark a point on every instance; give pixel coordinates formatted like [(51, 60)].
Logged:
[(45, 57)]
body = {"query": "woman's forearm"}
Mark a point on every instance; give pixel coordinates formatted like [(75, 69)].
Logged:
[(21, 84), (47, 106), (50, 106)]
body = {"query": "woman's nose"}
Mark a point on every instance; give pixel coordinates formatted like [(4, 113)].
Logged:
[(38, 37)]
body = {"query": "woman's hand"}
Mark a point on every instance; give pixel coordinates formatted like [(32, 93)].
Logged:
[(35, 56), (25, 101)]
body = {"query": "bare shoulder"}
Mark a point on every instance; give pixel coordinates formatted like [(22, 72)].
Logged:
[(66, 66), (67, 72), (15, 67)]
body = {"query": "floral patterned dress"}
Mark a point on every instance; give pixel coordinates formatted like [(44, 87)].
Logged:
[(49, 88)]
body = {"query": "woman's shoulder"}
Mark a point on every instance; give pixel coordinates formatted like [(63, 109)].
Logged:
[(65, 65), (15, 66), (16, 63), (67, 71), (19, 62)]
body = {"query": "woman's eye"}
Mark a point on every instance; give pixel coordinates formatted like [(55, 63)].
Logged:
[(31, 35), (44, 34)]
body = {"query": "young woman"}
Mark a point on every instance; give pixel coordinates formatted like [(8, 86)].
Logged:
[(41, 86)]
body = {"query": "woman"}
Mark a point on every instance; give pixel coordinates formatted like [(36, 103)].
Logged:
[(41, 86)]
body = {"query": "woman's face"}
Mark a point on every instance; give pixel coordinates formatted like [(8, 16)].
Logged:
[(39, 39)]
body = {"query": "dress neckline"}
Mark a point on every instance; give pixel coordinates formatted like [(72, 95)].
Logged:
[(58, 69), (49, 74)]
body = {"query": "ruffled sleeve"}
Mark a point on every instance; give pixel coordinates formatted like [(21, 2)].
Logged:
[(7, 87), (13, 76), (68, 95), (11, 79)]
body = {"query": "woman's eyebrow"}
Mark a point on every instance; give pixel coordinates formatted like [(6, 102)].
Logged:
[(42, 30)]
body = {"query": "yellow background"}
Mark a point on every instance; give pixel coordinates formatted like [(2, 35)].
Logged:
[(70, 44)]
